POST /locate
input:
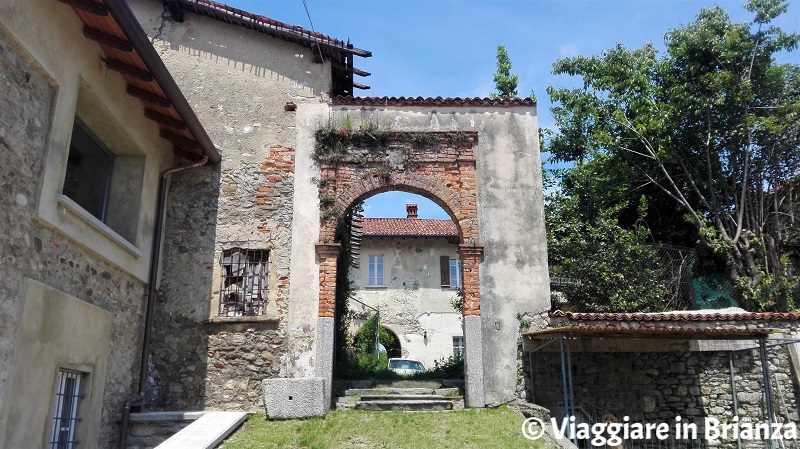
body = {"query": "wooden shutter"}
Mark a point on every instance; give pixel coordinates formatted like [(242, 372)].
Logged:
[(444, 269)]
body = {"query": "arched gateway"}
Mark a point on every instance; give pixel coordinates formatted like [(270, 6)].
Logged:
[(478, 160)]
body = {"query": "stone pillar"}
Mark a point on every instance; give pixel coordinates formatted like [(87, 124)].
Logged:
[(473, 340), (328, 255)]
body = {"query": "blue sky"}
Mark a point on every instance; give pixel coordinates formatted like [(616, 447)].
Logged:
[(448, 48)]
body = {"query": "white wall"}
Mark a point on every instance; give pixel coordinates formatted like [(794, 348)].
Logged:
[(413, 302)]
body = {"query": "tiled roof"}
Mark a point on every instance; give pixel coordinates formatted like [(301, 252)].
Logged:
[(657, 332), (680, 316), (429, 102), (408, 227)]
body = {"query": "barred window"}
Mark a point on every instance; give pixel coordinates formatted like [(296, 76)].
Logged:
[(65, 410), (245, 279), (458, 347)]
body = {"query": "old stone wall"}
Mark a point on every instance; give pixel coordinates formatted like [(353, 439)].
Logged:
[(239, 82), (31, 250), (656, 386)]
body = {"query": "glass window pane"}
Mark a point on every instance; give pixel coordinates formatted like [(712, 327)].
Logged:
[(88, 173)]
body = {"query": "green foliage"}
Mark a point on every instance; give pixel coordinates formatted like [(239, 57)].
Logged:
[(609, 267), (709, 130), (445, 368), (770, 289), (365, 338), (504, 81), (457, 302)]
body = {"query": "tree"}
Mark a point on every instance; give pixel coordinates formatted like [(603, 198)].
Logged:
[(504, 81), (711, 127)]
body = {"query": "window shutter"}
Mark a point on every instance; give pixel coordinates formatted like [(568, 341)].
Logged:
[(444, 269)]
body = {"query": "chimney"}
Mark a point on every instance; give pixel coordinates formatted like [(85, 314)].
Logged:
[(411, 210)]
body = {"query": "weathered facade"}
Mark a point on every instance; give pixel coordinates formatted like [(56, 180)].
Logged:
[(265, 200), (73, 278), (404, 272)]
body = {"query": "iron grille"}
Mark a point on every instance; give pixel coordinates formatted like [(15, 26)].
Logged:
[(65, 414), (244, 282)]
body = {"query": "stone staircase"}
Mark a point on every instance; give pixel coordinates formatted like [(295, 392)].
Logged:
[(418, 396)]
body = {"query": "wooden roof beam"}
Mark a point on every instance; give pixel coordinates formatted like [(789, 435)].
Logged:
[(125, 69), (107, 39), (148, 97), (88, 6)]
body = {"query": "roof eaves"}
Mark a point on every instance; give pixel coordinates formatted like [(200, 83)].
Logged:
[(173, 99), (270, 26)]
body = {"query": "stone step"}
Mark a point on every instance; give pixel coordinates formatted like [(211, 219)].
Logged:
[(405, 383), (388, 390), (417, 406), (405, 397)]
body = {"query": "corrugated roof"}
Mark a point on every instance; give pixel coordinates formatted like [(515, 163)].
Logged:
[(431, 102), (648, 332), (408, 227), (679, 316), (127, 50)]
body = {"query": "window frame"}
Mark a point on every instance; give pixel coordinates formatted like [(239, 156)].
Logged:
[(255, 266), (108, 173), (458, 349), (376, 277), (74, 409), (456, 268)]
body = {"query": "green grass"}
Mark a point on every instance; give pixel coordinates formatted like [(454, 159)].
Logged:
[(468, 429)]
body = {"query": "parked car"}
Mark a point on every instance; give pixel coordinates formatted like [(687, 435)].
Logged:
[(406, 367)]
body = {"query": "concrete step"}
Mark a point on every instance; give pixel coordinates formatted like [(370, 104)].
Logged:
[(205, 432), (405, 397), (387, 390), (416, 405)]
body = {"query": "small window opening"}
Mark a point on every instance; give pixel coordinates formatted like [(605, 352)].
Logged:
[(244, 282), (65, 413)]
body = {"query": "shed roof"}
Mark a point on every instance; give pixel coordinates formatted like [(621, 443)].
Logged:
[(683, 333), (128, 51), (694, 315), (408, 227)]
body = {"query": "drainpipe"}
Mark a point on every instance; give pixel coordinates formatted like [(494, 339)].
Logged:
[(152, 277)]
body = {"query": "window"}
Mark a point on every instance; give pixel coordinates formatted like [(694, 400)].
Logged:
[(245, 281), (451, 272), (65, 410), (375, 276), (88, 177), (458, 347)]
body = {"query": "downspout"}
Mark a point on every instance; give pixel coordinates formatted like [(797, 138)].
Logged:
[(152, 277)]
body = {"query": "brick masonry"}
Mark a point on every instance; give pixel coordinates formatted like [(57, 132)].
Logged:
[(444, 172), (28, 249)]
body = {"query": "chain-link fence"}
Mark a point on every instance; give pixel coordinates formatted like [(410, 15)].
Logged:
[(607, 277)]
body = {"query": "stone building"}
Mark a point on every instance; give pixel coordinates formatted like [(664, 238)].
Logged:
[(409, 271), (83, 141), (106, 300)]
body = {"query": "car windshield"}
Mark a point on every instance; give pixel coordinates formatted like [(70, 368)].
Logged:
[(406, 364)]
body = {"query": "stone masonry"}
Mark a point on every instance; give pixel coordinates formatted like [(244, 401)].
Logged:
[(658, 386), (28, 249)]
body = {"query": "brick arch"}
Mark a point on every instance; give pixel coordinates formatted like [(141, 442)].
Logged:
[(444, 173), (445, 197)]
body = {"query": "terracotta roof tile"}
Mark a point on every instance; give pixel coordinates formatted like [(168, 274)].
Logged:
[(686, 316), (431, 102), (408, 227), (657, 332)]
